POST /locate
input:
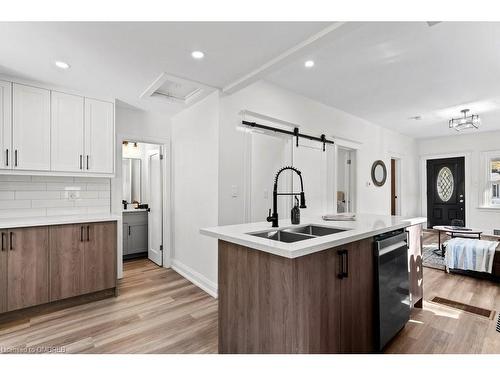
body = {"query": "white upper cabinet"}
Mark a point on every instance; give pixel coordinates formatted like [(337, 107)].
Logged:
[(99, 136), (31, 128), (67, 132), (5, 125)]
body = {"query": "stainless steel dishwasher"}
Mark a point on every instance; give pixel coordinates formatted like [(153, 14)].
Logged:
[(392, 282)]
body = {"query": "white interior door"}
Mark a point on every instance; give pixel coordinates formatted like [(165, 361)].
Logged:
[(155, 218)]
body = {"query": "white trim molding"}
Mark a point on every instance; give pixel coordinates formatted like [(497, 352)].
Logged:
[(195, 277)]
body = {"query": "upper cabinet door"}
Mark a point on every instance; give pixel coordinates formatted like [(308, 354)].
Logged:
[(67, 132), (5, 125), (99, 136), (31, 128)]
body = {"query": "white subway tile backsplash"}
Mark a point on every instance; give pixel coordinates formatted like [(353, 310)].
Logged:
[(22, 186), (4, 205), (37, 195), (47, 203), (26, 196), (6, 195), (65, 186), (23, 212)]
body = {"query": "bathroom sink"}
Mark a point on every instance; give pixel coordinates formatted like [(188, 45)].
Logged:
[(282, 236), (315, 230)]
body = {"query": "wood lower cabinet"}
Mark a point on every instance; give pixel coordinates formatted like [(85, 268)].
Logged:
[(45, 264), (415, 267), (27, 267), (82, 259), (66, 261), (99, 259), (3, 272), (317, 303)]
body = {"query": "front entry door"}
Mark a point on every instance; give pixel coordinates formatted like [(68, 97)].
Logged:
[(445, 191)]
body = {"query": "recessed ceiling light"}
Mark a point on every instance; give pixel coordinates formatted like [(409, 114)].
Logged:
[(197, 55), (309, 64), (62, 64)]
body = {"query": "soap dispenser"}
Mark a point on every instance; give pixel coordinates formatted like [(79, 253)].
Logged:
[(295, 215)]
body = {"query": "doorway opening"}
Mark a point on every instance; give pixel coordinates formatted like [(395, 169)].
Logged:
[(142, 201), (395, 186)]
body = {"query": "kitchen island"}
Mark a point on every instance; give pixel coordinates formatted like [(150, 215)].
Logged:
[(307, 288)]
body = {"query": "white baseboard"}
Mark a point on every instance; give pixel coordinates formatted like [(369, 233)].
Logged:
[(195, 277)]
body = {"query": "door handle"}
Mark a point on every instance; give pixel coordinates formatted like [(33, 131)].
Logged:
[(11, 242), (88, 232), (3, 241)]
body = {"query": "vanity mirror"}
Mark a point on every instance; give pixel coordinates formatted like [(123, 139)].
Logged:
[(132, 180)]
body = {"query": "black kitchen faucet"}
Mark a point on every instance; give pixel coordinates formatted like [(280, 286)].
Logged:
[(273, 218)]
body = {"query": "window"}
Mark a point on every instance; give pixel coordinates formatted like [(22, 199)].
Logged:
[(494, 182), (491, 185)]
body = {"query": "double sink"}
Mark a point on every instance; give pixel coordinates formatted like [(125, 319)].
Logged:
[(295, 234)]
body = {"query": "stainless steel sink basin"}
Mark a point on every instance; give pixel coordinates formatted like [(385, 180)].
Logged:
[(297, 234), (282, 236), (314, 230)]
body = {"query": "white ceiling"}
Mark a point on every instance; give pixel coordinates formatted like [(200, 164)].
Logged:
[(387, 72), (120, 60), (383, 72)]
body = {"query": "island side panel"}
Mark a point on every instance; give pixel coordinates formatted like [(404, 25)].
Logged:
[(415, 267), (256, 305)]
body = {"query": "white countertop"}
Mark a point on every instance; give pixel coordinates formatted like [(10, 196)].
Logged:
[(366, 225), (56, 220)]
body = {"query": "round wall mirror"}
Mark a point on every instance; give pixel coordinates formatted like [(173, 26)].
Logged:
[(379, 173)]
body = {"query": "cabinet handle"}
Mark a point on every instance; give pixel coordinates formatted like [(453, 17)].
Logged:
[(81, 233), (341, 264), (11, 245), (3, 241), (129, 230), (15, 158), (81, 161), (346, 257), (87, 162), (7, 157), (88, 232)]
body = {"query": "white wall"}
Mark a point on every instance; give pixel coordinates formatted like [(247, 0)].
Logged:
[(195, 153), (315, 118), (470, 145)]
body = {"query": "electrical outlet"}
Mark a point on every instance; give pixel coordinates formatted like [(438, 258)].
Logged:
[(72, 195), (234, 191)]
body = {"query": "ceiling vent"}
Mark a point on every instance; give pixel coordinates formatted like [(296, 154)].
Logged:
[(177, 90)]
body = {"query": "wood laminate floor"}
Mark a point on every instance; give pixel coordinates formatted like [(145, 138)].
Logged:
[(158, 311)]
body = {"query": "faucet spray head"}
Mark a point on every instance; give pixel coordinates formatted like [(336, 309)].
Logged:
[(302, 200)]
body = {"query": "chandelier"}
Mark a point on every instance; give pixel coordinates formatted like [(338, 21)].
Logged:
[(465, 122)]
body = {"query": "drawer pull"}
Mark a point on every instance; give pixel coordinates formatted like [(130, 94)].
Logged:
[(11, 245), (81, 233), (88, 232), (3, 241)]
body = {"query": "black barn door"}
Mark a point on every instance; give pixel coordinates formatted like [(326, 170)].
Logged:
[(445, 191)]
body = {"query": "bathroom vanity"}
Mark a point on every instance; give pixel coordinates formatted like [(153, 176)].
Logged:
[(306, 288)]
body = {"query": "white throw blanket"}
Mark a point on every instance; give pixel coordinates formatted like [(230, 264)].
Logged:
[(470, 254)]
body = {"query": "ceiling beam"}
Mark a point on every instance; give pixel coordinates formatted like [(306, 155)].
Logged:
[(284, 58)]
